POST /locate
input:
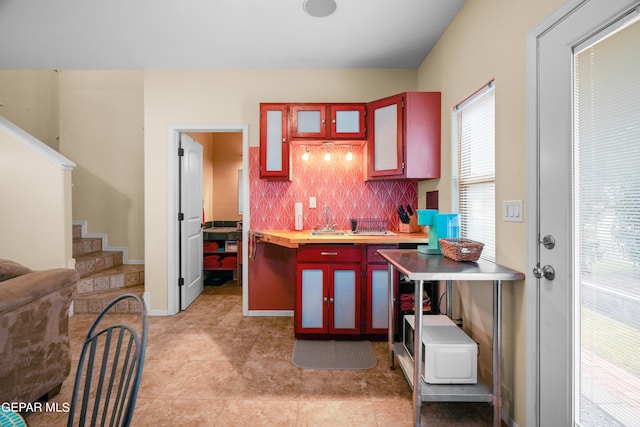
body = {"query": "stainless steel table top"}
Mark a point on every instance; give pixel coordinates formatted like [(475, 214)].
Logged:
[(418, 266)]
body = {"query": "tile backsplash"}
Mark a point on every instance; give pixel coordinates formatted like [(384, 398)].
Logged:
[(338, 184)]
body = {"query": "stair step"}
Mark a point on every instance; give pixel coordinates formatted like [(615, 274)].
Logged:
[(103, 276), (86, 245), (121, 276), (96, 301), (96, 262), (76, 231)]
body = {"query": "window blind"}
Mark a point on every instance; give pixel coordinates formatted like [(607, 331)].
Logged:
[(607, 225), (474, 191)]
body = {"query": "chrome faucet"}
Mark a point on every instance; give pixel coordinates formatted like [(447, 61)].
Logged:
[(326, 218)]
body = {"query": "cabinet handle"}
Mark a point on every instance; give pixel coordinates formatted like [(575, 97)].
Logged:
[(324, 299), (329, 253), (331, 300)]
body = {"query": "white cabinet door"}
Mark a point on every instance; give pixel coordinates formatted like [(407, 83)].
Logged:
[(312, 294), (385, 153), (274, 140), (379, 298), (385, 137), (344, 299), (274, 143)]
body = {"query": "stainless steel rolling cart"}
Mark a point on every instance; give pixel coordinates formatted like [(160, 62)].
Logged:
[(419, 268)]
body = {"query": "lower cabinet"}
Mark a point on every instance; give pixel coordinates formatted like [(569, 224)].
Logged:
[(328, 283), (376, 295), (377, 300), (328, 299), (341, 290)]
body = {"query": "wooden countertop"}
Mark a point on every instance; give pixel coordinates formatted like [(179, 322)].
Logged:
[(293, 239)]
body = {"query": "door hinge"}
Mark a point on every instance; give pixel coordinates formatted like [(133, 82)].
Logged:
[(180, 152), (180, 216), (181, 281), (402, 165)]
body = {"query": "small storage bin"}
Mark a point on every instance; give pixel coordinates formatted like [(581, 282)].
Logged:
[(461, 249)]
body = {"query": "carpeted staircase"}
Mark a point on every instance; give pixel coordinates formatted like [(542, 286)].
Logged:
[(103, 276)]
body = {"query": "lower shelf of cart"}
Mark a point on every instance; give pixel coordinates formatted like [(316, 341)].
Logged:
[(442, 392)]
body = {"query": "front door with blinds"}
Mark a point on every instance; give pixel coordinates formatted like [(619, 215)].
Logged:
[(585, 280)]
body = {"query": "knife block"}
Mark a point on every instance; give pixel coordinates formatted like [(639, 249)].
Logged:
[(412, 227)]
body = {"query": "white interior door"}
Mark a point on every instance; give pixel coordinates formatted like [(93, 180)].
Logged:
[(191, 224), (567, 385)]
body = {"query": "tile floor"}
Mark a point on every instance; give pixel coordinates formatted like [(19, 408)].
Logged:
[(211, 366)]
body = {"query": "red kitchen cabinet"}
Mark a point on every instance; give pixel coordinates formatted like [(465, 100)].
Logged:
[(404, 136), (328, 297), (348, 121), (275, 163), (327, 122), (376, 296), (271, 278), (308, 121)]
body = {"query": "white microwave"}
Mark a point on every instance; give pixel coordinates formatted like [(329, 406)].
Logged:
[(449, 356)]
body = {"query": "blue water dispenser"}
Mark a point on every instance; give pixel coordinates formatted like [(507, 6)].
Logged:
[(440, 226)]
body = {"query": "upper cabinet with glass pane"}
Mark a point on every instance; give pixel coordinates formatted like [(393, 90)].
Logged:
[(310, 122), (404, 136), (274, 142)]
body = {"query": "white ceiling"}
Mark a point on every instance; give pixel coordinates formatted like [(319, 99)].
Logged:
[(194, 34)]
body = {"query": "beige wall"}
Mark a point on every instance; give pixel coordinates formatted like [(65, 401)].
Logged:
[(221, 159), (29, 99), (227, 159), (230, 97), (35, 211), (101, 129), (487, 40)]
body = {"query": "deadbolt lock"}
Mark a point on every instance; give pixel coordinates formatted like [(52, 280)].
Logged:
[(548, 241)]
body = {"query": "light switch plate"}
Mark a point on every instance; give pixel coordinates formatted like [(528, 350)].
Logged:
[(312, 202), (512, 210)]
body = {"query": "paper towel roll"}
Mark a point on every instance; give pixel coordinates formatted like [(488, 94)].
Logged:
[(298, 215)]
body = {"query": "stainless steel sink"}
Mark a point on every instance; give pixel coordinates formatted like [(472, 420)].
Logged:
[(371, 233), (328, 232)]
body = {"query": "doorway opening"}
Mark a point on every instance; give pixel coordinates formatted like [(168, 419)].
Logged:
[(221, 205), (176, 245)]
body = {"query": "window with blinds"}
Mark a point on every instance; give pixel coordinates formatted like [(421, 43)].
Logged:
[(474, 177), (607, 227)]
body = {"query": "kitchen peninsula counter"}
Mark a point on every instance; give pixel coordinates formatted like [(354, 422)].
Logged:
[(274, 257), (293, 239)]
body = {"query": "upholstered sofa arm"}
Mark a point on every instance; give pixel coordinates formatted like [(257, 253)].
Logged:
[(21, 290), (35, 357)]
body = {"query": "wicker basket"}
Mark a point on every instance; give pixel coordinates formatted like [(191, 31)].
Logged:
[(461, 249)]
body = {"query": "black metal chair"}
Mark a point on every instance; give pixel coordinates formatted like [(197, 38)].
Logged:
[(110, 367)]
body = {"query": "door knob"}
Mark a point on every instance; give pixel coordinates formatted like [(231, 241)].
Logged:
[(547, 272)]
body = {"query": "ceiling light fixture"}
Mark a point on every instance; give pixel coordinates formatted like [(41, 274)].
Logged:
[(319, 8)]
